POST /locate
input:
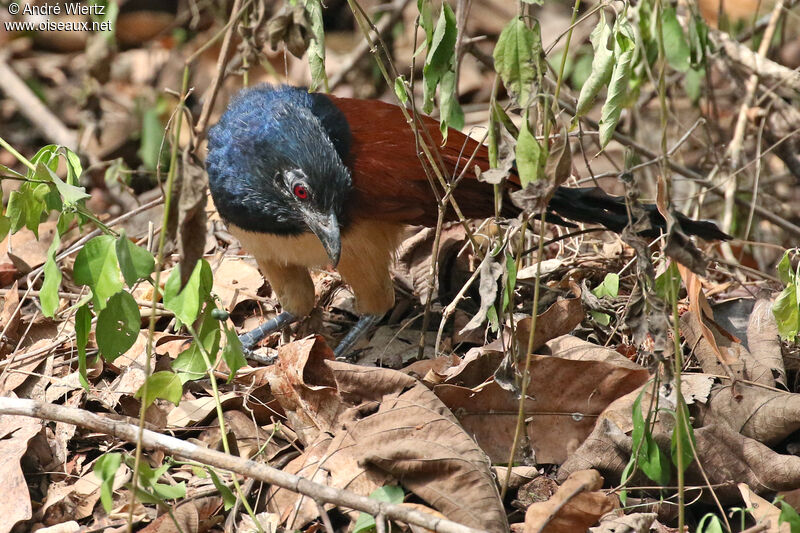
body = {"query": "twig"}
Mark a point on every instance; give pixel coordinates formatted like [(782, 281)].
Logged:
[(259, 471), (49, 125)]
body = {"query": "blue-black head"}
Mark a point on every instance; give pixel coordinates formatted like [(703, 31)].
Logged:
[(276, 164)]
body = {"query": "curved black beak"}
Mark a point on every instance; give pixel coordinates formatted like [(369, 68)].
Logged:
[(326, 228)]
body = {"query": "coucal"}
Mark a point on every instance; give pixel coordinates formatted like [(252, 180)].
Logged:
[(306, 179)]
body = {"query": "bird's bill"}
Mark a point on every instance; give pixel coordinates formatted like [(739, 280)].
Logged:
[(326, 228)]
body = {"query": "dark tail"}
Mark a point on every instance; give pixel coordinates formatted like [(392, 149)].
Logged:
[(592, 205)]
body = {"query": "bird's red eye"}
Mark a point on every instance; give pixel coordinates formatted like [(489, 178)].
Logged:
[(301, 192)]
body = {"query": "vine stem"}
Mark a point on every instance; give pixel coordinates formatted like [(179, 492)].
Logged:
[(151, 328)]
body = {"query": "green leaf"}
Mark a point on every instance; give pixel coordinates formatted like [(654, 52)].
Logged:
[(624, 48), (228, 498), (25, 208), (96, 266), (191, 364), (668, 283), (676, 47), (609, 287), (440, 55), (48, 294), (5, 226), (186, 303), (165, 385), (639, 428), (135, 262), (517, 57), (170, 492), (71, 195), (511, 280), (118, 325), (316, 47), (451, 115), (785, 272), (786, 309), (150, 142), (83, 324), (74, 167), (529, 155), (654, 463), (602, 66), (106, 468), (789, 516), (710, 523), (400, 89), (601, 318), (232, 353), (684, 435), (693, 83), (390, 494)]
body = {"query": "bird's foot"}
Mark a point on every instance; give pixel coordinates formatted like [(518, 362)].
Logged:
[(355, 333), (252, 337)]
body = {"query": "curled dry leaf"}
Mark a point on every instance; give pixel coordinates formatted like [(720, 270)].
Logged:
[(564, 398), (576, 505), (724, 454), (372, 423), (766, 415), (558, 319), (743, 366), (763, 340)]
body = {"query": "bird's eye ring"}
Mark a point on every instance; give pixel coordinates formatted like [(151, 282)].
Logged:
[(300, 192)]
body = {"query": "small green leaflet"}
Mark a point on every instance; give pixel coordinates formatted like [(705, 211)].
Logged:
[(232, 353), (676, 47), (624, 48), (316, 47), (683, 434), (400, 89), (150, 142), (710, 523), (134, 261), (96, 266), (530, 162), (83, 324), (439, 70), (52, 279), (106, 468), (165, 385), (389, 494), (786, 307), (227, 496), (609, 288), (186, 302), (789, 516), (517, 56), (190, 364), (602, 66), (118, 325)]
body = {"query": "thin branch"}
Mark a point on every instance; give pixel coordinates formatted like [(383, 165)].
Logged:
[(245, 467)]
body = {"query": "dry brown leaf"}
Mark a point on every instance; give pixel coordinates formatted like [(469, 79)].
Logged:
[(564, 399), (701, 310), (724, 454), (20, 367), (558, 319), (24, 250), (763, 341), (9, 318), (576, 505), (15, 433), (76, 499), (763, 511), (766, 415), (477, 366), (745, 365), (383, 422), (394, 347), (573, 348), (236, 279)]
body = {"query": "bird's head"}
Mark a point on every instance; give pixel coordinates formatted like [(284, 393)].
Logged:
[(275, 164)]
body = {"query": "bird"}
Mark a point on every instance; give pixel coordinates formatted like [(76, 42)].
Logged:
[(306, 180)]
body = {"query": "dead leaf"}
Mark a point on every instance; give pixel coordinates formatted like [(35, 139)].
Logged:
[(24, 250), (558, 319), (15, 433), (629, 523), (576, 505), (763, 511), (564, 399), (236, 279), (763, 341)]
